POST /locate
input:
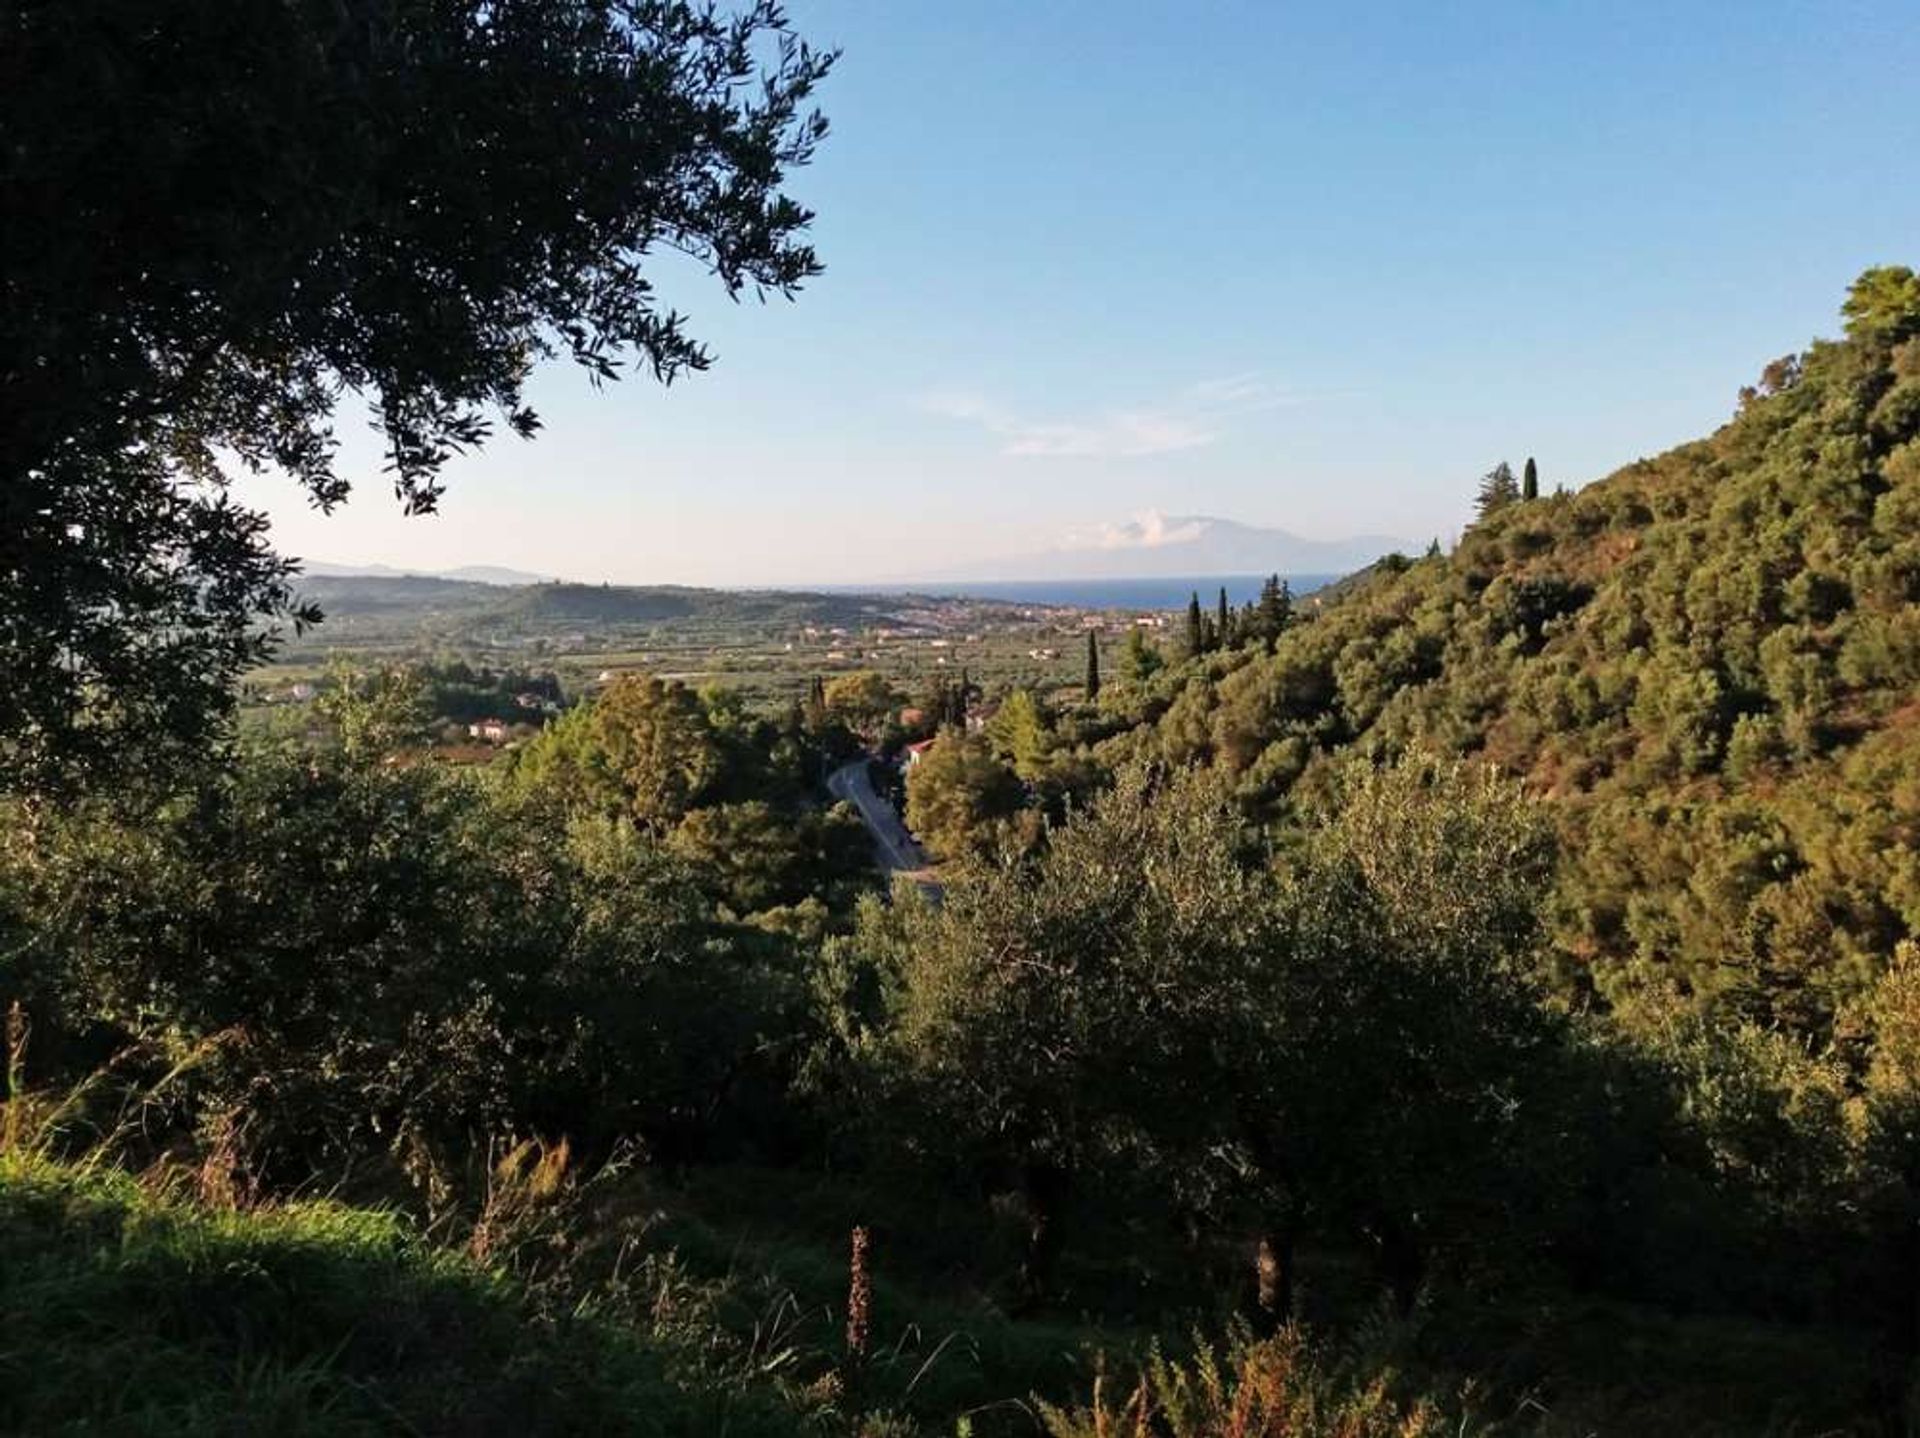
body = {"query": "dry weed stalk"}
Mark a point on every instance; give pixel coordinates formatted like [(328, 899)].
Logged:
[(521, 1186), (859, 1296)]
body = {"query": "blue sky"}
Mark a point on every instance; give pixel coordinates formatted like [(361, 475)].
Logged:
[(1315, 267)]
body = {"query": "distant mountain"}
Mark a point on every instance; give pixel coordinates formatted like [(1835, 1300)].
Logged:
[(1154, 545), (471, 573)]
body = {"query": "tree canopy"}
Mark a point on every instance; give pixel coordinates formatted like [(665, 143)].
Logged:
[(1707, 659), (1498, 488), (227, 222)]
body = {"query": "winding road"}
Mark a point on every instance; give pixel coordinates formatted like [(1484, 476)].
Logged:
[(894, 848)]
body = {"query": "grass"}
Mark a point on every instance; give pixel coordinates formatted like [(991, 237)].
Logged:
[(127, 1310), (767, 1253), (712, 1303), (947, 1344)]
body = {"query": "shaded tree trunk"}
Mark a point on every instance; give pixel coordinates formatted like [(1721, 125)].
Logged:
[(1045, 1187), (1899, 1376), (1273, 1259), (1273, 1266), (1403, 1264)]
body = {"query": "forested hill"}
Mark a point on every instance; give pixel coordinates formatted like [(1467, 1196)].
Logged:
[(1710, 661), (364, 612), (421, 599)]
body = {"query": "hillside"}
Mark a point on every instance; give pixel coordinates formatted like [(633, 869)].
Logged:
[(422, 598), (617, 604), (409, 611), (1628, 1125), (1709, 662)]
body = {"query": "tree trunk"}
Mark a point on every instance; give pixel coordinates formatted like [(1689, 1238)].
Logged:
[(1273, 1273), (1281, 1205), (1045, 1186), (1402, 1264)]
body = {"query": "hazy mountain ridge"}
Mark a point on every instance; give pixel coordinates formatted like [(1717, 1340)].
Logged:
[(496, 575), (1153, 545)]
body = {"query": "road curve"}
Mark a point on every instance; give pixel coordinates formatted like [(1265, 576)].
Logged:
[(893, 847)]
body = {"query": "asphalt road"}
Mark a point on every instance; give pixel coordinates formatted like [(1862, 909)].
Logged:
[(893, 847)]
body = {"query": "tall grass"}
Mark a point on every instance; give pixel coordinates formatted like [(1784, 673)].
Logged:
[(146, 1287), (169, 1298), (95, 1121), (127, 1308), (1279, 1387)]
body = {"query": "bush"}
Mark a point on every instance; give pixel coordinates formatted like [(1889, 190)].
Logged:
[(376, 956)]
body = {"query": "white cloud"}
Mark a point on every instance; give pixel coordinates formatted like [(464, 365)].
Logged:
[(1149, 529), (1191, 419)]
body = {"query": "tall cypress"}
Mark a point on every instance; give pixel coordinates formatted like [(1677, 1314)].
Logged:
[(1093, 664), (1223, 630), (1196, 626), (1530, 480)]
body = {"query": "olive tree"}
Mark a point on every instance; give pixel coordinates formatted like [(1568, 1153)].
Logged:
[(1041, 1020), (225, 221), (1393, 1031)]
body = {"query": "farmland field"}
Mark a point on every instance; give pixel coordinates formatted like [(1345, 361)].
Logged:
[(768, 645)]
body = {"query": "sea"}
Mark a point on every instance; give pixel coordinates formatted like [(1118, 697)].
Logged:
[(1144, 594)]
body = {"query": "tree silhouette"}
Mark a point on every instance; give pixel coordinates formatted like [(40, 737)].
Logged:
[(1274, 611), (223, 219), (1498, 489)]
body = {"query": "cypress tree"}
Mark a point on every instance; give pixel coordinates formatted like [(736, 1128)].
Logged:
[(1275, 610), (1196, 627), (1224, 628), (1093, 664), (1530, 480), (970, 694)]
